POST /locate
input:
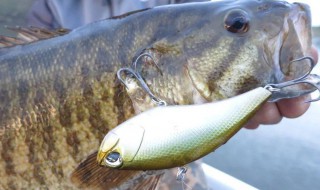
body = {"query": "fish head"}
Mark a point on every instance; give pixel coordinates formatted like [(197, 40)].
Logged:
[(116, 150), (220, 49), (253, 45)]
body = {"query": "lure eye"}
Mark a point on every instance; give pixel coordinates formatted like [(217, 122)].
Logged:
[(237, 21), (113, 159)]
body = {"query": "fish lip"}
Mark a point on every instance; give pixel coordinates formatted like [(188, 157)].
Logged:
[(304, 18), (297, 28)]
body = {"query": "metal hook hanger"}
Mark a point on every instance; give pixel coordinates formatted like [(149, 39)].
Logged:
[(311, 79), (181, 173)]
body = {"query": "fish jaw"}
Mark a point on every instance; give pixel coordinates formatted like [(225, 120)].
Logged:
[(295, 42)]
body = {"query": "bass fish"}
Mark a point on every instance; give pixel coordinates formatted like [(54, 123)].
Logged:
[(59, 92)]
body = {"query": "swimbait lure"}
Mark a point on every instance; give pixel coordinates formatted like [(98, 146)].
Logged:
[(171, 136)]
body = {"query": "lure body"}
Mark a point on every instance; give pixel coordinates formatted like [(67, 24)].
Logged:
[(172, 136)]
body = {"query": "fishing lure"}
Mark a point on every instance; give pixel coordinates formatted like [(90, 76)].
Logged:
[(172, 136)]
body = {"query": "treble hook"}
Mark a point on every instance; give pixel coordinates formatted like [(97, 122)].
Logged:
[(311, 79), (143, 84), (146, 55)]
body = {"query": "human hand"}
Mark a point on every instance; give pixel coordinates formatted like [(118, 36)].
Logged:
[(272, 113)]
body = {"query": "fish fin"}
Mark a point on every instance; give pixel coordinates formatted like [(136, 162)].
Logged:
[(27, 35), (90, 175), (128, 14)]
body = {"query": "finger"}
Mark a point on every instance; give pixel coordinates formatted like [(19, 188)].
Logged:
[(268, 114), (252, 125), (295, 107), (314, 54)]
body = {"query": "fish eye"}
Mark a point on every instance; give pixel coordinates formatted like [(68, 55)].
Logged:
[(113, 159), (237, 21)]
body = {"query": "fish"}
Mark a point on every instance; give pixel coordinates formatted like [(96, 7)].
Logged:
[(59, 93)]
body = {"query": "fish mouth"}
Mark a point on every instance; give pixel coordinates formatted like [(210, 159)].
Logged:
[(296, 43)]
